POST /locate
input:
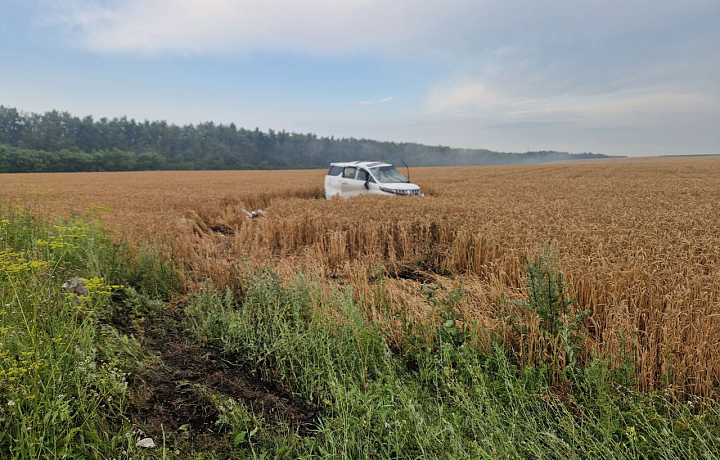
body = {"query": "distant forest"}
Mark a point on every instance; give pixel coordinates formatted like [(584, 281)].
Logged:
[(59, 142)]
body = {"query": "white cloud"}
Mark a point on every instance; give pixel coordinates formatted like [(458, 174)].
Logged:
[(201, 26), (649, 122), (477, 98), (499, 53), (464, 95), (524, 31), (379, 101), (623, 108), (471, 97), (558, 65)]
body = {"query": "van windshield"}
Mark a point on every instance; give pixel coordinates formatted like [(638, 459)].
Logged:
[(388, 175)]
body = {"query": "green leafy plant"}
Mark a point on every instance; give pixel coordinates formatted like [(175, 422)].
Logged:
[(556, 340)]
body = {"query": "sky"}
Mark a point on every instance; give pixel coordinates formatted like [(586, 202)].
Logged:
[(630, 77)]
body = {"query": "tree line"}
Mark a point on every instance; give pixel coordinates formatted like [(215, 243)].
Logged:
[(60, 142)]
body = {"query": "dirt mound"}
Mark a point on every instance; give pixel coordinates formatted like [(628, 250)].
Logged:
[(178, 393)]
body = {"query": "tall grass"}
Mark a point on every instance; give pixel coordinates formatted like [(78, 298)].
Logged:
[(62, 395), (442, 398), (67, 372)]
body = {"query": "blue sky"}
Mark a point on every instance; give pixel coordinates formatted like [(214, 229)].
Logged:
[(618, 77)]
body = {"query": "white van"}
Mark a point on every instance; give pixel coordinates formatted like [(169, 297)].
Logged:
[(362, 177)]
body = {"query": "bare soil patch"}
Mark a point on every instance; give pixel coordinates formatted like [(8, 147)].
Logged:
[(178, 393)]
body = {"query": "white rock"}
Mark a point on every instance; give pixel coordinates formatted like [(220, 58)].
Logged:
[(145, 442)]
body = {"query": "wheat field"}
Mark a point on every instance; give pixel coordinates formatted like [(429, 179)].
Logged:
[(638, 241)]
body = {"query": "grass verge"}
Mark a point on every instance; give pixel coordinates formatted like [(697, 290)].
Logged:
[(73, 368)]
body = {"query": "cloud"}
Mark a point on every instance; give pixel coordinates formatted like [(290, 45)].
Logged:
[(453, 28), (211, 26), (464, 95), (476, 100), (379, 101), (471, 97), (563, 68), (624, 108), (492, 53)]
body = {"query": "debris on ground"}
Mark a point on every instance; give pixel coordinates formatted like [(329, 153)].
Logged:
[(254, 214), (147, 443), (76, 286)]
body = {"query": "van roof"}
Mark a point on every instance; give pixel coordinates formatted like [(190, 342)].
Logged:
[(364, 164)]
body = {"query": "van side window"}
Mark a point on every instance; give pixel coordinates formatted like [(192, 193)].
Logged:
[(362, 175), (335, 171), (349, 173)]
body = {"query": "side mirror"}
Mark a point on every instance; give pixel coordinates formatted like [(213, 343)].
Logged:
[(367, 185)]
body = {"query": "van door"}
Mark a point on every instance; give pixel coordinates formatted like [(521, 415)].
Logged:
[(363, 177), (349, 184)]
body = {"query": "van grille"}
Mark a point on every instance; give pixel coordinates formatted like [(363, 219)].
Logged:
[(408, 192), (401, 192)]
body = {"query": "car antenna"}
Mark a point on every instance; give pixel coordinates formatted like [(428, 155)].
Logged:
[(407, 168)]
